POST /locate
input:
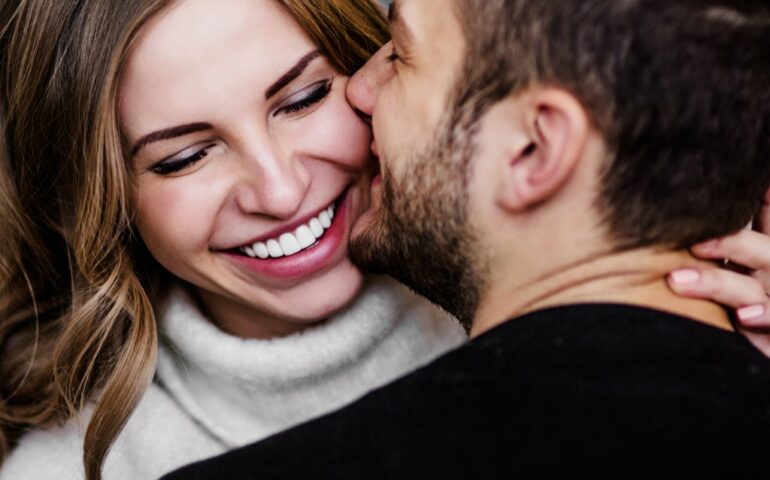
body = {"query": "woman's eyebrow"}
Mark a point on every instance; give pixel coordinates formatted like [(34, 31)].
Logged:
[(291, 74), (182, 130), (167, 133)]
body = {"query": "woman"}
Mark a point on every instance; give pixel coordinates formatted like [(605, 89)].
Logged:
[(217, 144), (194, 172)]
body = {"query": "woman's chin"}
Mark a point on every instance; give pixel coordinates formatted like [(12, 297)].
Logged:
[(328, 295)]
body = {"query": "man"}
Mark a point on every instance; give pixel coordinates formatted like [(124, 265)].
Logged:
[(544, 164)]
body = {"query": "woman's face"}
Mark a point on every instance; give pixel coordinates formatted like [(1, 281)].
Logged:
[(242, 146)]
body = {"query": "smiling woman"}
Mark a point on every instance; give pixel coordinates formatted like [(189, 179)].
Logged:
[(174, 224), (241, 106)]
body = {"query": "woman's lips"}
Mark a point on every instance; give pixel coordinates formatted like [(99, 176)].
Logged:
[(327, 250), (294, 240), (292, 227)]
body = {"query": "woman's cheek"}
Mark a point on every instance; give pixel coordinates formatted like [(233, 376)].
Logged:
[(174, 218), (335, 132)]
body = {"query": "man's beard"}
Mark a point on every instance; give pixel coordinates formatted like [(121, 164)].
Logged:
[(421, 235)]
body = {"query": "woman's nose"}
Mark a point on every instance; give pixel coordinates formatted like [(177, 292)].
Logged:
[(273, 186)]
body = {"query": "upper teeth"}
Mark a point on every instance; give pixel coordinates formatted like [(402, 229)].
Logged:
[(288, 244)]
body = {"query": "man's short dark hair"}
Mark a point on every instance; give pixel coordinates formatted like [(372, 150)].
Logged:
[(680, 90)]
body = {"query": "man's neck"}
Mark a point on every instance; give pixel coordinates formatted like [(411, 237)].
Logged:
[(636, 277)]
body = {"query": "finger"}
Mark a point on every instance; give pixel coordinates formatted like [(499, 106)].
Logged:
[(742, 293), (747, 247)]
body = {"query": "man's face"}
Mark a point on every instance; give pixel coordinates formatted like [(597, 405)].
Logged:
[(417, 229)]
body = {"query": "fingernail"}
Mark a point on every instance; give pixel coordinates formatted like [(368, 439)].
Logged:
[(750, 313), (684, 277)]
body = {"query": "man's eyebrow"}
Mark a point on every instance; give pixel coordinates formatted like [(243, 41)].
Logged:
[(293, 73), (397, 22), (167, 133)]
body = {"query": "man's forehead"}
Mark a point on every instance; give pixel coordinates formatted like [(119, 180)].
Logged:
[(398, 24), (423, 20)]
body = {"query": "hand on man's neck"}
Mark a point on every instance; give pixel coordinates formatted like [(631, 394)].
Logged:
[(636, 277)]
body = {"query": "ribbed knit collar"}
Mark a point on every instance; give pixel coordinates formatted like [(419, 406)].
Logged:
[(241, 390)]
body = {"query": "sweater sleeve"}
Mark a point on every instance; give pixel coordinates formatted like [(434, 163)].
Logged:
[(47, 454), (148, 446)]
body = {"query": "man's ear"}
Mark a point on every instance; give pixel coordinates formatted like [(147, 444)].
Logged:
[(553, 134)]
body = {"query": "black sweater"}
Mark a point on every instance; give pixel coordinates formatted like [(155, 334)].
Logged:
[(613, 390)]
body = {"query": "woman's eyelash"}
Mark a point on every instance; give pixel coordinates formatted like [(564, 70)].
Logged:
[(172, 166), (168, 167), (315, 96)]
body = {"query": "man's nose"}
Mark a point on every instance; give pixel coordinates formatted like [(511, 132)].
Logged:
[(364, 87)]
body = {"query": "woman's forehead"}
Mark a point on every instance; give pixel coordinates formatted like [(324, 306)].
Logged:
[(193, 53)]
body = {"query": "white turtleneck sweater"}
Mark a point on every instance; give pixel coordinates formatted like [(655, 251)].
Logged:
[(213, 391)]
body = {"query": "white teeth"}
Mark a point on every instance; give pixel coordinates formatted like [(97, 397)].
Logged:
[(274, 249), (326, 222), (260, 249), (316, 228), (305, 236), (288, 244)]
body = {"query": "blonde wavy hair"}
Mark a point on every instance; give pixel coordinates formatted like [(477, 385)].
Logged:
[(76, 287)]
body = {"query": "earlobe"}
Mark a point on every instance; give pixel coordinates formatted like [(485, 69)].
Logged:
[(556, 128)]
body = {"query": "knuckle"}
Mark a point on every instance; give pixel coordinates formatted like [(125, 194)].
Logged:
[(758, 292), (710, 278), (763, 277)]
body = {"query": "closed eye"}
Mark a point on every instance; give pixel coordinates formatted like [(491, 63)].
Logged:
[(173, 165), (393, 56), (317, 93)]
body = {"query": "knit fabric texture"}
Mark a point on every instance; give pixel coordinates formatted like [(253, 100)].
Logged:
[(214, 391)]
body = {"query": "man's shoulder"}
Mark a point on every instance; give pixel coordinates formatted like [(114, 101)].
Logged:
[(621, 352), (589, 345), (636, 339), (549, 391)]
